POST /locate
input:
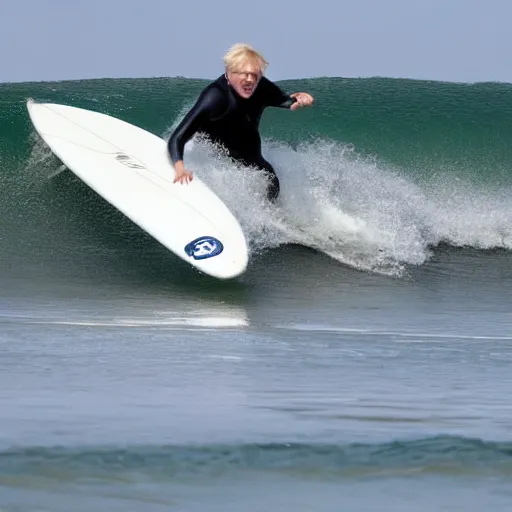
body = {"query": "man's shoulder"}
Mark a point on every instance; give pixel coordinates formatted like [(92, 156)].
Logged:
[(268, 87), (265, 84), (269, 92), (214, 92), (266, 81), (219, 85)]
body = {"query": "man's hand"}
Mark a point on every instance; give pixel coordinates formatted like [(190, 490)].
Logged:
[(182, 175), (303, 100)]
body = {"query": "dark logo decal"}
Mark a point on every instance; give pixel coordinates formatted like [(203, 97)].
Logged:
[(204, 247)]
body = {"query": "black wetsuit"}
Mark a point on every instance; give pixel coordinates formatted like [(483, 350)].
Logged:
[(232, 121)]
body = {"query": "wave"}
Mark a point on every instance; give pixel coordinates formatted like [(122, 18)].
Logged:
[(376, 176), (442, 454)]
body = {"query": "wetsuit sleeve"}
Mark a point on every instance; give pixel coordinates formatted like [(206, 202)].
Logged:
[(275, 96), (209, 102)]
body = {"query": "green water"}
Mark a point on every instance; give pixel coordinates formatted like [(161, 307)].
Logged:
[(421, 127)]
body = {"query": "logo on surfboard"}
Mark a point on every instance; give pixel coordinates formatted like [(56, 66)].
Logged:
[(204, 247), (129, 161)]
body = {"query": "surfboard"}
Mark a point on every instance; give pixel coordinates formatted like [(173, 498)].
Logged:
[(131, 169)]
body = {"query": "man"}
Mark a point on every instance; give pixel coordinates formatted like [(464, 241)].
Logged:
[(228, 112)]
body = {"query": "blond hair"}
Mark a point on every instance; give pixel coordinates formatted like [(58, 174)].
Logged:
[(240, 53)]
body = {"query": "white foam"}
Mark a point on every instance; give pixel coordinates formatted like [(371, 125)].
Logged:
[(358, 211)]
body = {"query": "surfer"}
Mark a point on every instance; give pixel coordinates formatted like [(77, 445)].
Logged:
[(228, 112)]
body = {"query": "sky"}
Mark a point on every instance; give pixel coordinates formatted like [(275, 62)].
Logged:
[(451, 40)]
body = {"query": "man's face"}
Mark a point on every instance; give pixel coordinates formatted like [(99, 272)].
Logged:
[(244, 79)]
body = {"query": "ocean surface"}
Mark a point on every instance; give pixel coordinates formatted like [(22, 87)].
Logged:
[(363, 362)]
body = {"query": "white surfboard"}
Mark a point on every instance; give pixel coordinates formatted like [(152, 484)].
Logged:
[(131, 169)]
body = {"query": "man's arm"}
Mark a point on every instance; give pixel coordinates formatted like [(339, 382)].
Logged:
[(276, 97), (191, 122), (207, 103)]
